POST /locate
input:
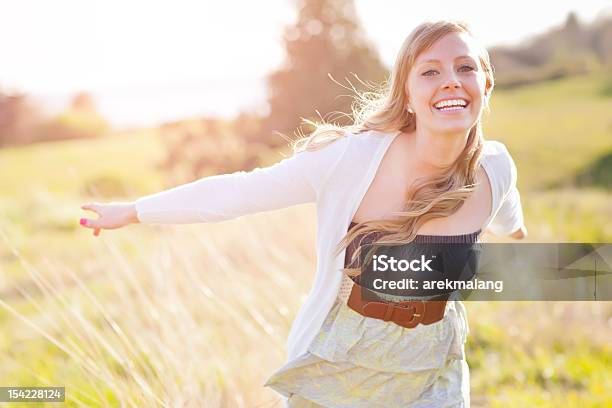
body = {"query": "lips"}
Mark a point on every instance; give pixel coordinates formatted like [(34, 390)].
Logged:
[(451, 104)]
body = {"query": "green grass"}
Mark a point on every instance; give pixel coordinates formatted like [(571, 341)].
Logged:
[(523, 356), (66, 168), (552, 129)]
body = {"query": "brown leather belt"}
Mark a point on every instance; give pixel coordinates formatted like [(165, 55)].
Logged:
[(407, 313)]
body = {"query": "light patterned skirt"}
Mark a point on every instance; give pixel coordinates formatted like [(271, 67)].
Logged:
[(357, 361)]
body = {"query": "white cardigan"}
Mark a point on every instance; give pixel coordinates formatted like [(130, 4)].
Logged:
[(335, 177)]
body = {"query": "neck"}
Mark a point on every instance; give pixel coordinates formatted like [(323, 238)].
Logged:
[(435, 152)]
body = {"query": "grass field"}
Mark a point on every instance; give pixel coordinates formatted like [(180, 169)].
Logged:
[(181, 315)]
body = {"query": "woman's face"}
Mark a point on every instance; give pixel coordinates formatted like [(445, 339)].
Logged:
[(446, 85)]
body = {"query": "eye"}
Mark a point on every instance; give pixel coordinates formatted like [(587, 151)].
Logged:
[(427, 73), (469, 68)]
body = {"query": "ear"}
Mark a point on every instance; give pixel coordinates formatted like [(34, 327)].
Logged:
[(408, 108), (488, 89)]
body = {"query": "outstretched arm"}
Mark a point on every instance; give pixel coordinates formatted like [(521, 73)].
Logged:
[(227, 196), (294, 180)]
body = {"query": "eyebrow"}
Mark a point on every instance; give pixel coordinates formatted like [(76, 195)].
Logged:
[(435, 60)]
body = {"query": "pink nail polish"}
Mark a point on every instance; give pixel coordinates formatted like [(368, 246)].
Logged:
[(83, 221)]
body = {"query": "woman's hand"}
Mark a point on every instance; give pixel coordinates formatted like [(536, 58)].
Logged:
[(111, 215), (520, 233)]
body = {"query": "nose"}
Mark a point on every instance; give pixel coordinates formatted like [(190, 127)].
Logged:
[(451, 82)]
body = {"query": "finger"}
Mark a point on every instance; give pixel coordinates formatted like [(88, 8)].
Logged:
[(86, 222), (91, 207)]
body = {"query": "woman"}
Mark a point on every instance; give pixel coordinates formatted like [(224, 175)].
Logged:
[(414, 167)]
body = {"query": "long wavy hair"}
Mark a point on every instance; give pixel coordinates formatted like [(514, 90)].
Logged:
[(384, 110)]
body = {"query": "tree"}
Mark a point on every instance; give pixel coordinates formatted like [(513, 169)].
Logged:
[(79, 120), (23, 122), (19, 119), (326, 40)]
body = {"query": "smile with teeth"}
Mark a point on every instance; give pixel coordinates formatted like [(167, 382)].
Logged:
[(451, 105)]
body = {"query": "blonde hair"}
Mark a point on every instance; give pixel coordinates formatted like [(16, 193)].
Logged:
[(384, 110)]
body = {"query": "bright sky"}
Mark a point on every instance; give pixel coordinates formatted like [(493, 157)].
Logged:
[(148, 62)]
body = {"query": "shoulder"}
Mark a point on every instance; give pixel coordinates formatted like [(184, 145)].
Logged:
[(499, 164), (319, 162), (495, 148), (325, 149), (348, 158), (353, 145), (369, 137), (366, 143)]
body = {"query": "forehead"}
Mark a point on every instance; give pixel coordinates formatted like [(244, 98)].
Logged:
[(449, 47)]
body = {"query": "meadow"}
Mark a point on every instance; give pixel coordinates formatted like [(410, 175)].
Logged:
[(197, 315)]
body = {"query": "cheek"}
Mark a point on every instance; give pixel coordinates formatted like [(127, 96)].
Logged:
[(422, 96), (478, 87), (476, 90)]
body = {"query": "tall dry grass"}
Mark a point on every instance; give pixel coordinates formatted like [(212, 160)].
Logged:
[(198, 318)]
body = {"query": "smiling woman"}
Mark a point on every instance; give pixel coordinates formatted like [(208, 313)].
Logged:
[(414, 168), (438, 176), (448, 86)]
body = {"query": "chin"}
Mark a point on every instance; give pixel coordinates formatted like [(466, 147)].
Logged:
[(449, 123), (448, 128)]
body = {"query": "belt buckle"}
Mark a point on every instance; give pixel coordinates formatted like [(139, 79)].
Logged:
[(416, 306)]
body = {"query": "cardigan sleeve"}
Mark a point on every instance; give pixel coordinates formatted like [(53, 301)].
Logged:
[(291, 181), (509, 217)]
